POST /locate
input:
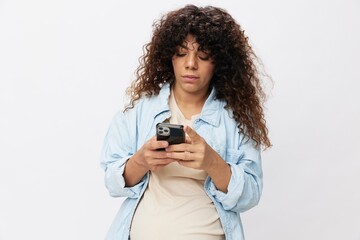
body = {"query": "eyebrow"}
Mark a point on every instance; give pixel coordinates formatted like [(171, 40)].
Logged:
[(186, 45), (199, 49)]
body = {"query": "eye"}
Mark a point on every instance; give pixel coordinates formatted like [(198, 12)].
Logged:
[(179, 54), (204, 56), (180, 51)]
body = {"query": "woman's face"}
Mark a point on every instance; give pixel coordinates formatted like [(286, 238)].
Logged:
[(193, 68)]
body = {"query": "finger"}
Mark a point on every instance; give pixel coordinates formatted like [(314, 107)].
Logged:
[(187, 139), (184, 156), (175, 148), (158, 144), (157, 155), (194, 137), (182, 147)]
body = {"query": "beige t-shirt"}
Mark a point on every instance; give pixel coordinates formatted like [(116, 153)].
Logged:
[(175, 205)]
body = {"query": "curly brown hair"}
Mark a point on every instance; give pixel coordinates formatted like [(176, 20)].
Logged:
[(236, 77)]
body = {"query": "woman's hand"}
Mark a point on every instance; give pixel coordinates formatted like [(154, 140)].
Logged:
[(196, 153), (145, 159), (149, 157)]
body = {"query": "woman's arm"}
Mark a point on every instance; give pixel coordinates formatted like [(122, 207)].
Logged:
[(236, 183), (124, 169)]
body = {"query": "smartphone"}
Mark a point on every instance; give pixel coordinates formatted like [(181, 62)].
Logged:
[(172, 133)]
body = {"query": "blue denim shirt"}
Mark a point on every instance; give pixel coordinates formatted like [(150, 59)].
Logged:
[(130, 130)]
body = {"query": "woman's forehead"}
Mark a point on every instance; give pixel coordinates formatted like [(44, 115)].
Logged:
[(190, 42)]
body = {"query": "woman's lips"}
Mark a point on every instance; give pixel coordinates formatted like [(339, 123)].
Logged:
[(190, 78)]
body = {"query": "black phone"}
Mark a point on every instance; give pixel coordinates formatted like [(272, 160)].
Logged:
[(172, 133)]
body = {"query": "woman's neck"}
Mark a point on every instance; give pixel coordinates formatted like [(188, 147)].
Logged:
[(188, 103)]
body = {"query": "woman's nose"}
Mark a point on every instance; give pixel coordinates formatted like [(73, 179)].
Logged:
[(191, 61)]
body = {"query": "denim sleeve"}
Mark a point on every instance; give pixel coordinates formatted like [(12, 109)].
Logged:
[(117, 148), (245, 186)]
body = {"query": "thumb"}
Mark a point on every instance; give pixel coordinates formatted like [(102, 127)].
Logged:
[(194, 137)]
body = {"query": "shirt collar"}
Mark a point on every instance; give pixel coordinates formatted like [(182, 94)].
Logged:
[(212, 109), (210, 112)]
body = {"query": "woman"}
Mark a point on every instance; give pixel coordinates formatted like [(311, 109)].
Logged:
[(198, 71)]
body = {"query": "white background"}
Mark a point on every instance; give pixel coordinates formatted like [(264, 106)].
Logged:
[(64, 66)]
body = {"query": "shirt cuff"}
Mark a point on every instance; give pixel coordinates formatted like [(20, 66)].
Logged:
[(230, 199)]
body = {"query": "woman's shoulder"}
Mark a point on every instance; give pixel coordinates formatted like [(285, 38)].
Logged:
[(150, 104)]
